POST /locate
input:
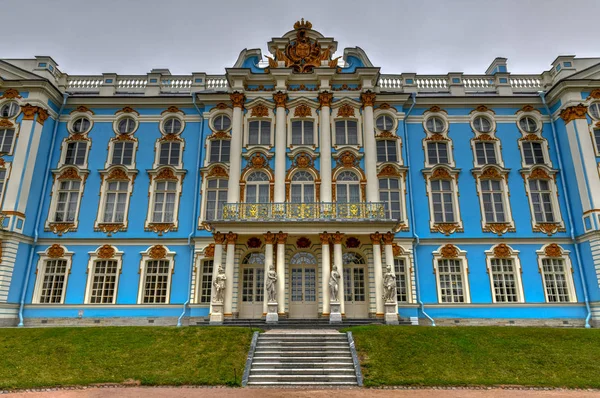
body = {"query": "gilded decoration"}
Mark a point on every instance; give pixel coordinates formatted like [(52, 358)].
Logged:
[(231, 238), (594, 94), (531, 137), (160, 228), (257, 161), (573, 112), (302, 110), (219, 238), (387, 134), (106, 251), (347, 159), (260, 111), (553, 250), (254, 243), (6, 123), (219, 135), (42, 115), (77, 137), (70, 173), (260, 87), (491, 173), (124, 137), (29, 111), (172, 109), (303, 243), (388, 171), (368, 99), (301, 87), (345, 87), (11, 93), (548, 228), (2, 162), (485, 137), (281, 238), (280, 99), (170, 137), (209, 251), (376, 238), (502, 251), (446, 228), (157, 252), (346, 110), (324, 238), (218, 171), (61, 228), (528, 108), (498, 228), (397, 250), (338, 238), (352, 242), (436, 108), (325, 99), (221, 105), (440, 174), (237, 99), (82, 109), (385, 105), (302, 160), (388, 238), (55, 251), (449, 251), (483, 108), (437, 137), (128, 109), (166, 174), (269, 238), (110, 228), (539, 174), (303, 54), (117, 174)]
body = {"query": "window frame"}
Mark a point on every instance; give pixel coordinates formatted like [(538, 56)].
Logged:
[(48, 255), (218, 190), (494, 173), (458, 255), (428, 161), (9, 103), (164, 174), (443, 173), (210, 150), (388, 190), (508, 253), (543, 254), (409, 281), (198, 292), (303, 120), (394, 144), (214, 117), (94, 257), (259, 120), (119, 119), (147, 256), (74, 118), (15, 128)]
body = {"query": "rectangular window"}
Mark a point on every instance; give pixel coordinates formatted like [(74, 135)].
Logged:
[(122, 153), (169, 153), (442, 196), (346, 132), (387, 151), (504, 280), (104, 282), (164, 202), (2, 182), (541, 199), (533, 152), (303, 132), (116, 201), (555, 280), (493, 201), (156, 282), (437, 153), (219, 151), (54, 283), (259, 132), (597, 139), (7, 137), (67, 201), (485, 153), (216, 197), (389, 194), (76, 153), (451, 281), (205, 288), (401, 280)]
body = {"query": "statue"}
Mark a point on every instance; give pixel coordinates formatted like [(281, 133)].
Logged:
[(334, 283), (219, 285), (272, 285), (389, 285)]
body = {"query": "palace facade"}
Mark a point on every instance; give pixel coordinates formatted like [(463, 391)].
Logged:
[(122, 196)]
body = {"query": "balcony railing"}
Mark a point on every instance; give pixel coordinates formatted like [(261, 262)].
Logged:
[(265, 212)]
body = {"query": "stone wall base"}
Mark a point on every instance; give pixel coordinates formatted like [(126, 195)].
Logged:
[(8, 322), (114, 321), (503, 322)]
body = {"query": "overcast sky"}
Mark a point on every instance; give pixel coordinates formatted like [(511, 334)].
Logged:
[(134, 36)]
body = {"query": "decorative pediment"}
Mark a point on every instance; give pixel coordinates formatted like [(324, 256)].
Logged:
[(539, 174), (449, 251), (485, 137), (166, 174), (172, 109), (531, 137), (10, 93), (482, 109), (574, 112), (346, 110), (170, 137), (128, 109), (55, 251), (528, 108), (303, 160), (70, 173), (117, 174), (441, 173), (302, 110), (259, 111), (217, 171), (106, 251), (389, 171), (157, 252), (491, 173), (553, 250), (502, 251), (436, 109), (437, 137), (82, 109)]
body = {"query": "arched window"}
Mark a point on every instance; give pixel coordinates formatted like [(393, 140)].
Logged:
[(352, 258), (253, 277), (302, 188), (347, 187), (257, 188), (303, 258)]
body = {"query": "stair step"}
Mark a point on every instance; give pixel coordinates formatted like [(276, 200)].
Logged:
[(302, 371), (322, 366), (302, 354), (302, 378), (302, 360), (304, 383)]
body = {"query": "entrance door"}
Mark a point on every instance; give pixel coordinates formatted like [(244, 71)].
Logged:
[(303, 291), (252, 286), (355, 286)]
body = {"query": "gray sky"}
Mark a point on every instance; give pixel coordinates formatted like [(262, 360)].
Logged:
[(134, 36)]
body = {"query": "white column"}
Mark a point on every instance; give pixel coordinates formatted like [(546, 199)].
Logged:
[(281, 239), (280, 147), (217, 262), (378, 270), (325, 146), (229, 263), (269, 240), (370, 146), (235, 158), (337, 261), (325, 272)]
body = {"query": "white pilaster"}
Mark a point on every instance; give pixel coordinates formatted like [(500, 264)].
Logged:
[(229, 263), (325, 271), (370, 146), (337, 261), (325, 147), (235, 162), (584, 160), (378, 270), (269, 239), (280, 147), (281, 239), (217, 262)]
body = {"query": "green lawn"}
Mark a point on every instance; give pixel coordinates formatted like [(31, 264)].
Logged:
[(479, 356), (152, 355)]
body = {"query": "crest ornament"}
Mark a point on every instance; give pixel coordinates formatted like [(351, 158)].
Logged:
[(302, 110), (449, 251), (347, 159), (553, 250), (346, 110), (237, 99), (55, 251), (303, 160), (209, 251), (218, 171), (157, 252), (502, 251), (440, 174), (260, 111), (106, 251), (303, 243), (83, 109)]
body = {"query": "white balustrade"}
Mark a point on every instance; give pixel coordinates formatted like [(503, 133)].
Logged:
[(218, 82), (526, 83), (390, 82), (84, 83), (432, 83), (479, 83)]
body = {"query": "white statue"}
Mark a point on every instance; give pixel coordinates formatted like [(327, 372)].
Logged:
[(272, 285), (389, 285), (334, 284), (219, 285)]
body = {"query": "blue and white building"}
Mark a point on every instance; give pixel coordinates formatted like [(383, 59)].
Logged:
[(121, 196)]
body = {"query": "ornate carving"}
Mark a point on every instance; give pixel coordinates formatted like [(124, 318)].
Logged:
[(209, 251), (70, 173), (61, 228), (436, 108), (325, 99), (397, 250), (346, 110), (302, 110), (281, 238), (4, 123), (491, 173), (269, 238), (2, 164), (110, 228), (77, 137), (82, 109), (221, 105), (376, 238), (446, 228), (352, 242), (368, 98), (237, 99), (218, 171), (124, 137), (160, 228), (260, 87), (128, 109), (29, 111), (280, 99), (10, 93), (347, 159), (539, 174), (42, 115), (172, 109), (385, 105), (440, 173), (157, 252), (302, 87), (594, 94), (219, 135), (388, 134), (303, 242), (553, 250), (531, 137), (345, 87), (547, 228), (258, 160), (324, 238), (117, 174), (388, 238), (170, 137), (498, 228), (219, 238), (502, 251), (302, 160), (254, 243), (337, 238), (55, 251), (388, 171), (166, 174), (449, 251), (437, 137), (574, 112), (528, 108), (106, 251), (231, 238), (260, 111), (485, 137)]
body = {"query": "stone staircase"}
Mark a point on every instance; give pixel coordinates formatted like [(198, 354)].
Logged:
[(302, 358)]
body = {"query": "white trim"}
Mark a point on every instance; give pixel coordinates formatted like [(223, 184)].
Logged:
[(462, 257), (41, 272), (556, 211), (456, 206), (170, 257), (131, 174), (568, 269), (118, 257), (54, 193), (179, 174), (514, 256)]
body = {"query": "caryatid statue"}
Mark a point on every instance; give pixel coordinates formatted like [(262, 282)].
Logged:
[(389, 285), (272, 285), (334, 284), (219, 285)]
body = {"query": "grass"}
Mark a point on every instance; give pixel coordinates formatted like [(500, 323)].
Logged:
[(447, 356), (151, 355)]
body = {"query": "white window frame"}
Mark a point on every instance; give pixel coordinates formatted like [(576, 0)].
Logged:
[(8, 102), (93, 258), (219, 113), (128, 115), (514, 257), (313, 117), (526, 137), (401, 190), (303, 185), (314, 132), (553, 197), (358, 132), (3, 183), (595, 139), (146, 257), (502, 177), (166, 137), (566, 258), (104, 191), (409, 275), (179, 175), (56, 188), (270, 117), (210, 150), (111, 151), (259, 120), (440, 137), (200, 260), (76, 116), (453, 178), (205, 195), (14, 127), (41, 273), (387, 155), (461, 256), (159, 145), (387, 113)]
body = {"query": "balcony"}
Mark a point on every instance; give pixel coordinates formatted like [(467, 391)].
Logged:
[(316, 212)]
